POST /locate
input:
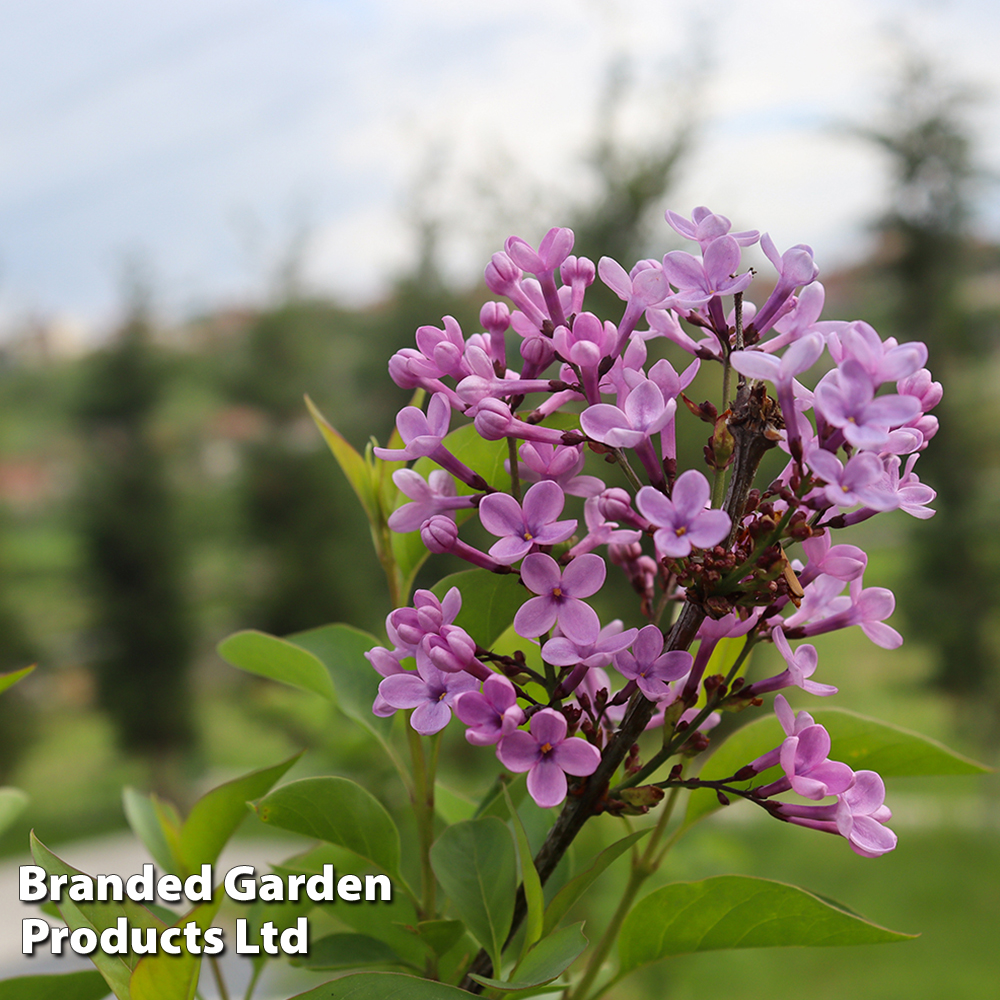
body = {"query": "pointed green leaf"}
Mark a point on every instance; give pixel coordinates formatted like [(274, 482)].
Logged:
[(863, 743), (734, 911), (577, 886), (86, 985), (12, 804), (341, 649), (475, 863), (494, 802), (174, 977), (338, 811), (391, 922), (452, 807), (216, 815), (529, 877), (147, 824), (548, 960), (116, 969), (350, 461), (8, 680), (440, 935), (277, 659), (346, 951), (383, 986), (489, 602)]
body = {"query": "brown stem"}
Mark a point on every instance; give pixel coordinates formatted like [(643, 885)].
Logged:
[(754, 425)]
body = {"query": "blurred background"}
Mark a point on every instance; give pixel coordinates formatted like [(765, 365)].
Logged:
[(209, 209)]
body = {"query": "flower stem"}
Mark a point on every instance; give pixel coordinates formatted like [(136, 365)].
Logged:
[(423, 808), (641, 870)]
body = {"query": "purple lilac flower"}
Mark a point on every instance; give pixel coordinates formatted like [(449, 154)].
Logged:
[(801, 665), (645, 412), (857, 815), (845, 562), (523, 526), (560, 463), (431, 496), (682, 520), (704, 226), (560, 596), (562, 651), (846, 399), (429, 692), (884, 360), (803, 758), (795, 267), (698, 280), (601, 531), (490, 715), (649, 666), (548, 756), (867, 607), (851, 484)]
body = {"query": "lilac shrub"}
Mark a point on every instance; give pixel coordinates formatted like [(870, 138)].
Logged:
[(720, 558), (714, 556)]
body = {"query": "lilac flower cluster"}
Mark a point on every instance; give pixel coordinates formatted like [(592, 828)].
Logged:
[(715, 551)]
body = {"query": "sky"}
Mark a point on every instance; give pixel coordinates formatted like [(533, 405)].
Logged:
[(208, 138)]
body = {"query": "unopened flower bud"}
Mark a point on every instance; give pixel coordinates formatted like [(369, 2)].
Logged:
[(439, 533), (501, 274), (493, 419)]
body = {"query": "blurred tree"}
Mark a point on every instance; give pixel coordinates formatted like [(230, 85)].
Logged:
[(133, 553), (925, 256)]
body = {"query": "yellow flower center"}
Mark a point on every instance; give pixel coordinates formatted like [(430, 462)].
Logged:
[(546, 747)]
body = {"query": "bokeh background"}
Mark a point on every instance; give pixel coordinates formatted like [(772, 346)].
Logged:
[(209, 209)]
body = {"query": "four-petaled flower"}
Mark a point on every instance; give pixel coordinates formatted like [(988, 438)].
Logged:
[(682, 520), (649, 666), (525, 525), (559, 596), (548, 756)]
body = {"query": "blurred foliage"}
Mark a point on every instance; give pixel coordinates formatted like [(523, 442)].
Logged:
[(927, 255), (134, 557)]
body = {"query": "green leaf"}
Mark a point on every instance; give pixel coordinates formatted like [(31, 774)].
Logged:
[(86, 985), (577, 886), (347, 951), (216, 815), (277, 659), (116, 969), (8, 680), (440, 935), (548, 960), (891, 750), (148, 824), (494, 802), (734, 911), (341, 649), (529, 878), (174, 977), (863, 743), (489, 602), (475, 863), (350, 461), (452, 807), (382, 986), (338, 811), (12, 803)]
